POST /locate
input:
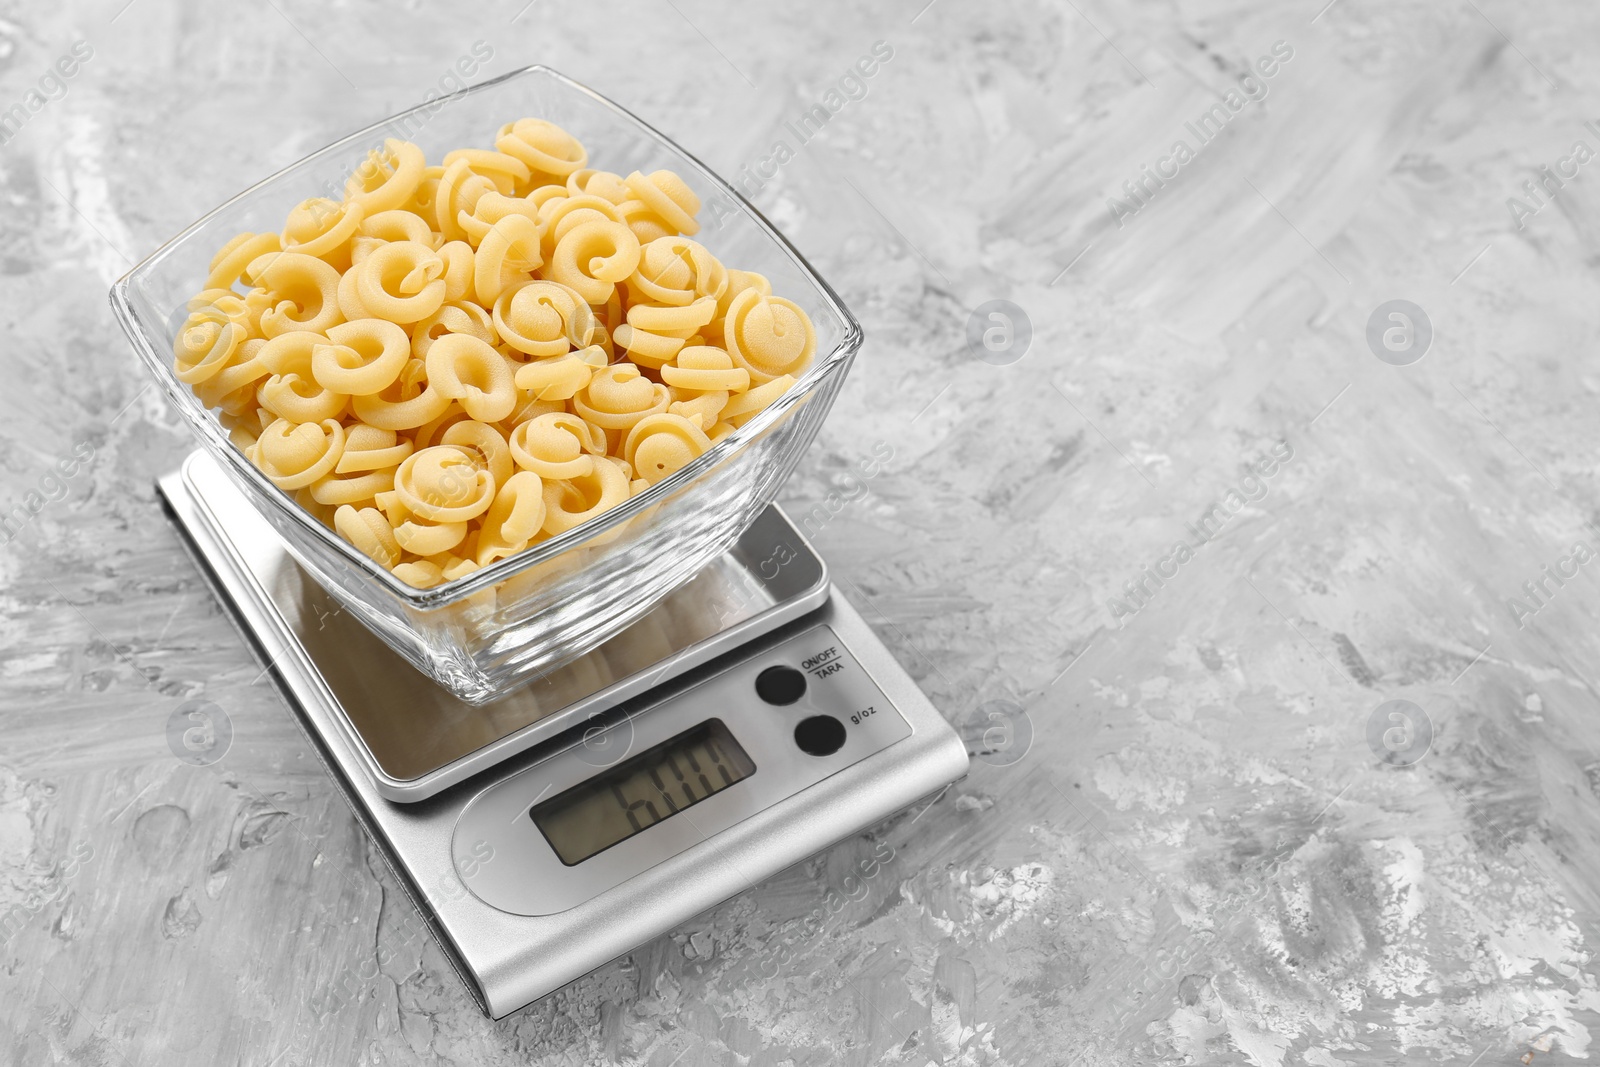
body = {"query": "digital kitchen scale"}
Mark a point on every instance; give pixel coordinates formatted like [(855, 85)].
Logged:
[(749, 720)]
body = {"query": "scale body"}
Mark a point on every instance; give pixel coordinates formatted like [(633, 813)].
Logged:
[(749, 721)]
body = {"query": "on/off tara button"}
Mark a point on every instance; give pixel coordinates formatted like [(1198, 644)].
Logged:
[(780, 685)]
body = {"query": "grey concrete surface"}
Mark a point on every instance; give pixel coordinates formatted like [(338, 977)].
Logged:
[(1197, 833)]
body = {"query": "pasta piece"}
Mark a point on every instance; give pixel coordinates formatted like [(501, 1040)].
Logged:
[(661, 445), (350, 305), (365, 357), (557, 446), (457, 256), (647, 349), (220, 305), (393, 509), (321, 227), (420, 573), (388, 178), (464, 368), (703, 409), (367, 448), (291, 391), (600, 183), (204, 345), (293, 455), (463, 317), (304, 291), (457, 194), (571, 503), (401, 281), (369, 531), (428, 434), (528, 407), (561, 377), (705, 369), (646, 225), (543, 319), (377, 230), (653, 335), (515, 518), (744, 407), (738, 282), (559, 216), (509, 253), (593, 257), (442, 484), (545, 147), (458, 568), (669, 198), (248, 309), (505, 171), (681, 322), (768, 336), (232, 258), (483, 443), (422, 201), (233, 387), (617, 397), (676, 271), (409, 402), (489, 209), (344, 490), (423, 538)]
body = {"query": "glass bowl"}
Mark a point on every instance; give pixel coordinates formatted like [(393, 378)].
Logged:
[(487, 632)]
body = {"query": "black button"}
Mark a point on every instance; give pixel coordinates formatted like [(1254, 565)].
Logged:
[(780, 685), (820, 735)]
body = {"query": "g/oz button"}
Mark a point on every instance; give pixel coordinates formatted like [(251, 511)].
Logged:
[(820, 735), (780, 685)]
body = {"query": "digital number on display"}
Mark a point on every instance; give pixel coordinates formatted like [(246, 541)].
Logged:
[(641, 791)]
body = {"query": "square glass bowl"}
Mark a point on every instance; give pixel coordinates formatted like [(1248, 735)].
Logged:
[(485, 633)]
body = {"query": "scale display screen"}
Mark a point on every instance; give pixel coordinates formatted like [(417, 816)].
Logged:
[(641, 791)]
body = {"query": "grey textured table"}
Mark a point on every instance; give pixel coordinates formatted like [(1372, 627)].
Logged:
[(1221, 844)]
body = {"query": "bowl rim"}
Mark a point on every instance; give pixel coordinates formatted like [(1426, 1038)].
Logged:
[(439, 596)]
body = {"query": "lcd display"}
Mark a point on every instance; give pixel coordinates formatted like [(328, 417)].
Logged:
[(641, 791)]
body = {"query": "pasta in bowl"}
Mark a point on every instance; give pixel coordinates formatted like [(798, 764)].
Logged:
[(501, 402), (380, 365)]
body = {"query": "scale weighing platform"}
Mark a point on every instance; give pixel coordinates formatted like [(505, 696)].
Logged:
[(748, 721)]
